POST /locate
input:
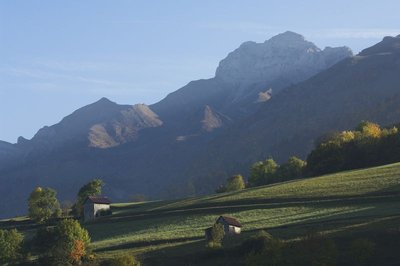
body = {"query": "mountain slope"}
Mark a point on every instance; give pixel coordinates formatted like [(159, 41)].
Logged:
[(363, 87), (102, 124)]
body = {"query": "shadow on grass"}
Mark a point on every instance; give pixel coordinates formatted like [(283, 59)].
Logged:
[(378, 230), (218, 208), (139, 244)]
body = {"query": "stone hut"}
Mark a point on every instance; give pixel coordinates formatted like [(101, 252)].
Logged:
[(231, 225), (93, 206)]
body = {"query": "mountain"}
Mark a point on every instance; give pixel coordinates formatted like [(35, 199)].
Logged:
[(251, 69), (362, 87), (103, 124), (7, 150), (151, 149)]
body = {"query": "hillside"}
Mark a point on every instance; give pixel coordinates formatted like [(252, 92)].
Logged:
[(342, 205)]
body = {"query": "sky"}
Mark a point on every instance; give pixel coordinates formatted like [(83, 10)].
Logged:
[(57, 56)]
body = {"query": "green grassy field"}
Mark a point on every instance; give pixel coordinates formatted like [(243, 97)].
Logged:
[(172, 232), (349, 201)]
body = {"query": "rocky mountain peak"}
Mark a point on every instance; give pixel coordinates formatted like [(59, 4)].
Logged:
[(287, 37), (285, 55)]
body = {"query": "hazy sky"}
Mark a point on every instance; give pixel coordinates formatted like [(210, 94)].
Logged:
[(56, 56)]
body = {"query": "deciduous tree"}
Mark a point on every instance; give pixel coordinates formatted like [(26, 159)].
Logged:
[(93, 188), (43, 204), (71, 242), (235, 182)]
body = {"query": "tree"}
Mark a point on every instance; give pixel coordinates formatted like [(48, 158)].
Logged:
[(263, 173), (43, 205), (93, 188), (369, 129), (292, 169), (217, 235), (71, 242), (235, 182), (10, 245)]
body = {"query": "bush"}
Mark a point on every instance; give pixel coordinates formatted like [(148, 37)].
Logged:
[(361, 251), (268, 251), (257, 243), (67, 243), (10, 246), (217, 235)]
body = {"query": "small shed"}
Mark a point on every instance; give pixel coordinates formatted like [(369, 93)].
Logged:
[(93, 206), (231, 225)]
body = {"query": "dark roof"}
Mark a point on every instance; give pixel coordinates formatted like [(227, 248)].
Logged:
[(230, 221), (98, 199)]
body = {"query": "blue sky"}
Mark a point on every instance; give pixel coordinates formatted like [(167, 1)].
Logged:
[(57, 56)]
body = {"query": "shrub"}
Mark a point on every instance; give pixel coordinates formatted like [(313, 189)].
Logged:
[(271, 252), (256, 243), (217, 235), (67, 243), (10, 245)]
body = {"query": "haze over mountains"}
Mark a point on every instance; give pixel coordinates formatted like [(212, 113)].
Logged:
[(272, 98)]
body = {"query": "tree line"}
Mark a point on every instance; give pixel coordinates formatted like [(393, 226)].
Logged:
[(366, 146), (264, 173)]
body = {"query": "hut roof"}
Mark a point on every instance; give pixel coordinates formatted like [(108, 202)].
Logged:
[(98, 200), (230, 221)]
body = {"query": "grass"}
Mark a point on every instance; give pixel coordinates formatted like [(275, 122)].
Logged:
[(168, 232), (331, 203), (373, 181)]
